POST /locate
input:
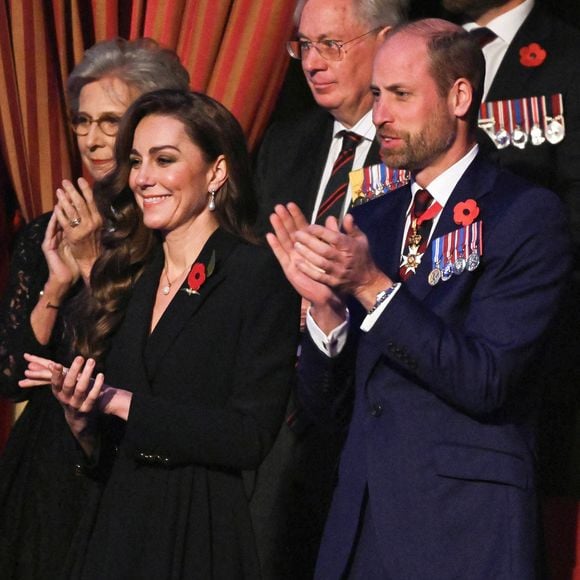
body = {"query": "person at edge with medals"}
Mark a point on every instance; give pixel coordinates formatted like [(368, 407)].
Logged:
[(195, 327), (42, 494), (430, 308), (530, 123)]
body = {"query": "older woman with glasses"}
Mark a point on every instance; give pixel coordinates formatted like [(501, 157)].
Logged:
[(41, 496)]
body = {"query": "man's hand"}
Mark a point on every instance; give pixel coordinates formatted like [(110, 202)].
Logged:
[(329, 305), (340, 260)]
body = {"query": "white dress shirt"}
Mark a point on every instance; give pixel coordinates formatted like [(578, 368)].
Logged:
[(505, 27), (367, 131)]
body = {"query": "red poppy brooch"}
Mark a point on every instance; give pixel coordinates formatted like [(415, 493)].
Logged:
[(465, 212), (532, 55), (198, 274)]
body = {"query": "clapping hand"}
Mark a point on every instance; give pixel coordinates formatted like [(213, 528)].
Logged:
[(288, 221), (81, 222), (62, 267)]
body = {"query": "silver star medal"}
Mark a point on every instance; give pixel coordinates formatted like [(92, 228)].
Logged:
[(412, 260)]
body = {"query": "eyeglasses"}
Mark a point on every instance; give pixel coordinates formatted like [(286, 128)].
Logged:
[(108, 124), (327, 49)]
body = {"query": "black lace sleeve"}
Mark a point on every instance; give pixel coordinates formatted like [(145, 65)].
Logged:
[(28, 274)]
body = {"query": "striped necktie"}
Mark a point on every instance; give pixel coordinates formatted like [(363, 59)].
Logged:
[(337, 186)]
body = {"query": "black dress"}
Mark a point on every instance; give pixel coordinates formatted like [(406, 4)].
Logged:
[(210, 386), (41, 493)]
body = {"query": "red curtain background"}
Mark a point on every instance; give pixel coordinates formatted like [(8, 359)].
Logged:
[(233, 50)]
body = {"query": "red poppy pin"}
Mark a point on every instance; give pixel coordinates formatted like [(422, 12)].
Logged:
[(198, 275), (465, 212), (532, 55)]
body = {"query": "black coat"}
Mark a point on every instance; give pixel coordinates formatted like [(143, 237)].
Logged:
[(296, 481), (554, 166), (210, 386), (42, 496)]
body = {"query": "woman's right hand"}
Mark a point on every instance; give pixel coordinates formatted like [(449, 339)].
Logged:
[(81, 223), (62, 267)]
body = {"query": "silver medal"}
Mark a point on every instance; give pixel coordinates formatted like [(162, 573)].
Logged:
[(459, 265), (519, 138), (472, 261), (434, 276), (555, 130), (447, 272), (502, 139), (536, 135)]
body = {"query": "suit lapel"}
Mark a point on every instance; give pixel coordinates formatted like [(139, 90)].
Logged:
[(533, 29), (311, 162), (475, 183), (185, 304), (124, 365)]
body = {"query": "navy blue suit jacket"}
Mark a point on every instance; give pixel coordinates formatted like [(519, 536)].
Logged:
[(442, 426)]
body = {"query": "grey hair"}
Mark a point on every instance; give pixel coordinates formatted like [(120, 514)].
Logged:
[(372, 13), (142, 64)]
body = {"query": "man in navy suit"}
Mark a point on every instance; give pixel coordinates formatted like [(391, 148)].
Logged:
[(452, 284)]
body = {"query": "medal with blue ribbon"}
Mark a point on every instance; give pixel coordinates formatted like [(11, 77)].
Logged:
[(456, 252)]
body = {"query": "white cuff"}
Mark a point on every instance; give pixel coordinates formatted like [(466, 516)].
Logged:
[(371, 318), (332, 344)]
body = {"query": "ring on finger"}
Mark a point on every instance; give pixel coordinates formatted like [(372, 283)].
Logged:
[(75, 222)]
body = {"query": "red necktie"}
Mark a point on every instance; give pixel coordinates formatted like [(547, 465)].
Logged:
[(422, 213), (337, 186)]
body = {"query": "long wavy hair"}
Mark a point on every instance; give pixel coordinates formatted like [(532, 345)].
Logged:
[(127, 243)]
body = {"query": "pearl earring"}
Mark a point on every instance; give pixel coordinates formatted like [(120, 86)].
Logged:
[(211, 204)]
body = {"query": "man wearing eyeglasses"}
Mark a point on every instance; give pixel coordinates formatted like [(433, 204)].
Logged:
[(335, 41)]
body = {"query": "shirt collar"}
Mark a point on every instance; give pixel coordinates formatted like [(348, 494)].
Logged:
[(443, 185), (507, 25), (363, 127)]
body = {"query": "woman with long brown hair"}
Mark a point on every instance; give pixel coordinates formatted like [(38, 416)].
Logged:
[(41, 494), (195, 329)]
